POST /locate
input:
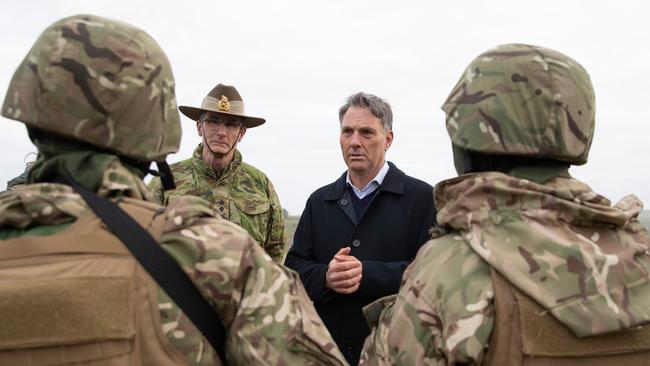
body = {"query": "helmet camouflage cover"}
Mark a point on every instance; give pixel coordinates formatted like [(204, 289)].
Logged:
[(523, 100), (99, 81)]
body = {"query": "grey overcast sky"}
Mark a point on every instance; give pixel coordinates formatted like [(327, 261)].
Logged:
[(294, 63)]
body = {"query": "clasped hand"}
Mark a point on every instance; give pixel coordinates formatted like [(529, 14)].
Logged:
[(344, 272)]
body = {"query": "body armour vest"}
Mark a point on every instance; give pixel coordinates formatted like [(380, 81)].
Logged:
[(524, 333), (80, 297)]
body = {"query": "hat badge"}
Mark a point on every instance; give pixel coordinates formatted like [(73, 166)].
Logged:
[(223, 104)]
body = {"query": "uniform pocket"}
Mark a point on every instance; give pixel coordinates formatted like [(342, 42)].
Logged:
[(251, 212), (251, 203)]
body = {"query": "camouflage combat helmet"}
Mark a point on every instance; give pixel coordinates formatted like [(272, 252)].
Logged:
[(523, 100), (99, 81)]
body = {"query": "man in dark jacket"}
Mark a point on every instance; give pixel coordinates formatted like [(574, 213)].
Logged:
[(357, 235)]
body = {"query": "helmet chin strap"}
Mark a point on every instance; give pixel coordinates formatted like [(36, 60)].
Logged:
[(165, 174)]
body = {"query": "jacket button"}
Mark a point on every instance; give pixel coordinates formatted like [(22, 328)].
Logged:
[(343, 202), (356, 243)]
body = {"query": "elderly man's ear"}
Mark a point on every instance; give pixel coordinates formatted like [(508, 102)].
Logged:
[(242, 132)]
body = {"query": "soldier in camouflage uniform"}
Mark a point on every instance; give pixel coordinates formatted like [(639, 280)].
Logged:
[(530, 266), (98, 100), (239, 192)]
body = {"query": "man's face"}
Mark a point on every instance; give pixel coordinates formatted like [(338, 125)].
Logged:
[(363, 141), (219, 131)]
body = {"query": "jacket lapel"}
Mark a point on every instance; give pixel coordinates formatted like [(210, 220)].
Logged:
[(394, 180), (341, 195), (348, 207)]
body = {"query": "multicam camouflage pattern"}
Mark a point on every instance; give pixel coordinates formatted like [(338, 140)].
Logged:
[(48, 204), (266, 311), (523, 100), (562, 244), (99, 81), (443, 314), (242, 194), (110, 85)]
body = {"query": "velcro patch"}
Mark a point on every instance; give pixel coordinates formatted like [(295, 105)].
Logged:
[(543, 335), (36, 313)]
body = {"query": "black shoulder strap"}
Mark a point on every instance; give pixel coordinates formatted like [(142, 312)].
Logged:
[(160, 265)]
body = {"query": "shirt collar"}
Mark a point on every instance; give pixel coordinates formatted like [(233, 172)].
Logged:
[(374, 183)]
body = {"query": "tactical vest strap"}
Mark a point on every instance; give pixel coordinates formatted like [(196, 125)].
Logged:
[(88, 302), (160, 265), (505, 341)]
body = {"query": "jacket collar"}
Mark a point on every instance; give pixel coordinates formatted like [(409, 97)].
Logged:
[(393, 183)]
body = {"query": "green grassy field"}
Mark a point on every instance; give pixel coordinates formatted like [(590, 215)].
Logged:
[(290, 224)]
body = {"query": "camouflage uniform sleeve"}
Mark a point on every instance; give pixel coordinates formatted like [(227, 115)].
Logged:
[(268, 317), (442, 315), (155, 187), (276, 245)]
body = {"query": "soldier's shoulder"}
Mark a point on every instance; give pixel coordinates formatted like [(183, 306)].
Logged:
[(182, 166), (444, 265), (49, 194), (445, 299), (184, 178), (254, 173), (40, 203), (251, 179)]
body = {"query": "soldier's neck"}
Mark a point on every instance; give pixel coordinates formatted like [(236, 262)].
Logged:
[(218, 163)]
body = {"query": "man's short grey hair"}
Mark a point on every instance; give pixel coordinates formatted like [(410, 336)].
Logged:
[(377, 106)]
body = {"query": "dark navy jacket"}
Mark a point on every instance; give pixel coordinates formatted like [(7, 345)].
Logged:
[(385, 239)]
